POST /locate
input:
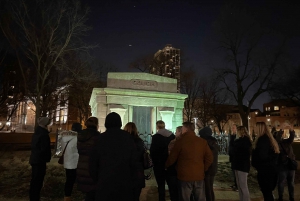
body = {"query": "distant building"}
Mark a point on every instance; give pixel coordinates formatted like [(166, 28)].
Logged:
[(167, 63), (280, 111)]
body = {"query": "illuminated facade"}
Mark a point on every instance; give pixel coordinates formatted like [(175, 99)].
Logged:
[(23, 118), (141, 98), (167, 63)]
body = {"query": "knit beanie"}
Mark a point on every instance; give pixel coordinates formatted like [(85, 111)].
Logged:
[(205, 132), (113, 120), (43, 121), (76, 127)]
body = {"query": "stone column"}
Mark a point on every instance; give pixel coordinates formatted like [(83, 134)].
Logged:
[(121, 112), (167, 117)]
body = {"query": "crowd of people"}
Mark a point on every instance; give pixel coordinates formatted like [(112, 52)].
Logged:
[(110, 166)]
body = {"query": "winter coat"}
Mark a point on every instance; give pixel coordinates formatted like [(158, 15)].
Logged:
[(71, 153), (113, 165), (214, 147), (86, 140), (193, 157), (286, 149), (139, 180), (40, 146), (265, 160), (159, 147), (263, 156), (241, 154)]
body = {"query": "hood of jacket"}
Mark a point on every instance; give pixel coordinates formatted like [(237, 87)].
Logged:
[(164, 132), (68, 135), (86, 134), (205, 132)]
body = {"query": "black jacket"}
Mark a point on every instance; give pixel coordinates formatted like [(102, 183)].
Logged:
[(113, 165), (159, 147), (40, 146), (263, 156), (86, 140), (214, 147), (139, 180), (286, 149), (241, 154)]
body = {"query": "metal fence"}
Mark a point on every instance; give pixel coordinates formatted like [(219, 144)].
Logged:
[(221, 138), (147, 138), (223, 143)]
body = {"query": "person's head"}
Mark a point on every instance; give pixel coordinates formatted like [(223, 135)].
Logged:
[(178, 131), (233, 128), (76, 127), (278, 135), (91, 122), (113, 120), (131, 128), (243, 132), (160, 125), (205, 132), (43, 122), (261, 130), (187, 126)]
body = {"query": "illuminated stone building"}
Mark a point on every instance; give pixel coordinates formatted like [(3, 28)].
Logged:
[(167, 63), (141, 98)]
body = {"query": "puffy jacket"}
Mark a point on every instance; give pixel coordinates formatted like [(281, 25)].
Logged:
[(85, 143), (71, 153), (40, 146)]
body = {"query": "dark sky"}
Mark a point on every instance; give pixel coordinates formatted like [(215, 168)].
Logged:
[(125, 30), (148, 26)]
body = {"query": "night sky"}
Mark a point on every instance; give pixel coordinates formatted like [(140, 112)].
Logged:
[(126, 30), (148, 26)]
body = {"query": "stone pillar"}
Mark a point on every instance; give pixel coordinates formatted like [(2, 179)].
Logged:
[(121, 112), (167, 116)]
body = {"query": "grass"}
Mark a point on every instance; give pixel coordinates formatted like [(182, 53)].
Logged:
[(16, 174)]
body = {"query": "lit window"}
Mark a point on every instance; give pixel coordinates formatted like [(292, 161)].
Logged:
[(276, 107), (268, 108)]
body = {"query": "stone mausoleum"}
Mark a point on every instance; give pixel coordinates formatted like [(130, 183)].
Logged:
[(141, 98)]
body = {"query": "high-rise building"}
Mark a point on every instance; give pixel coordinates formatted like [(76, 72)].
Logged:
[(167, 63)]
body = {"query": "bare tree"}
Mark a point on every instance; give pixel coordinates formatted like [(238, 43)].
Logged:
[(143, 63), (253, 53), (10, 88), (190, 85), (90, 76), (41, 33)]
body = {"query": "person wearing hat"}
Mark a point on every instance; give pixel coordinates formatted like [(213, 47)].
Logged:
[(113, 162), (206, 133), (40, 155), (69, 144)]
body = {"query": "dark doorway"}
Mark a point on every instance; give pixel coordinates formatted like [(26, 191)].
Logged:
[(141, 116)]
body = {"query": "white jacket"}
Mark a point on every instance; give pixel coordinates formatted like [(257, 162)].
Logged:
[(71, 154)]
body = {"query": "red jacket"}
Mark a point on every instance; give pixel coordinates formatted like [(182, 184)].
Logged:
[(193, 157)]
